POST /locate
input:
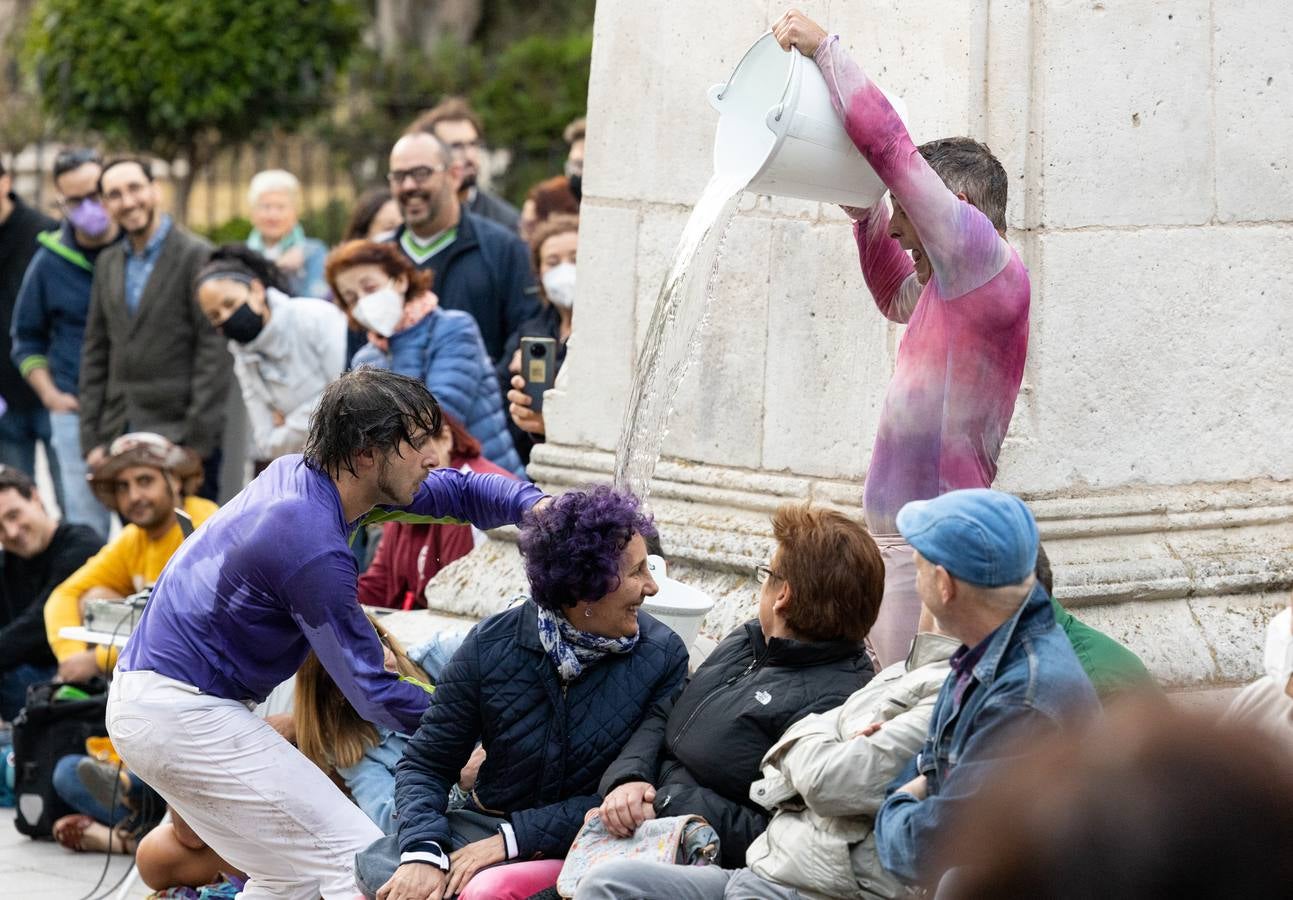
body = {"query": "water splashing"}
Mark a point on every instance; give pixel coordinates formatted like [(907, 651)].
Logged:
[(673, 337)]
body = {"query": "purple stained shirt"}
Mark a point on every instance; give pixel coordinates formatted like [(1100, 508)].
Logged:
[(961, 358), (271, 576)]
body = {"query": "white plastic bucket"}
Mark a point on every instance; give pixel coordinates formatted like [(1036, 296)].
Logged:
[(678, 605), (777, 127)]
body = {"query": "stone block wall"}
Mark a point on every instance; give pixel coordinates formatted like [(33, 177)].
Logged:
[(1149, 148)]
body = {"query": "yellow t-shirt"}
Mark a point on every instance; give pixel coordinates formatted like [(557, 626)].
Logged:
[(128, 564)]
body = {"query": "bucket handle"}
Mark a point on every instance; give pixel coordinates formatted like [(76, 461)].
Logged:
[(717, 95)]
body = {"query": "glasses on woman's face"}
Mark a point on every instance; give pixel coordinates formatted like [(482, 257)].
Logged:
[(763, 573)]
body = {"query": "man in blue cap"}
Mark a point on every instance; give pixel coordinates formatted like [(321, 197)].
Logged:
[(1014, 679)]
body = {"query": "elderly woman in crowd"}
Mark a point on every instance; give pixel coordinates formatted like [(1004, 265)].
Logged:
[(409, 333), (275, 200), (553, 250), (285, 350), (552, 689), (700, 752)]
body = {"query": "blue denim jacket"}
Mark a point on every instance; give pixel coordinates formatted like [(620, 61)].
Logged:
[(1027, 684)]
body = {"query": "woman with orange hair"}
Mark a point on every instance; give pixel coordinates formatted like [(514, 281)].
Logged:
[(410, 334)]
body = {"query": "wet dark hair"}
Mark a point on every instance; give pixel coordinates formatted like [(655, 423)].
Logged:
[(242, 260), (367, 409), (572, 548), (968, 167), (12, 479), (366, 208), (143, 164)]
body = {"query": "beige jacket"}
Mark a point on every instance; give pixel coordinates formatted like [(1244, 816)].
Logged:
[(824, 786)]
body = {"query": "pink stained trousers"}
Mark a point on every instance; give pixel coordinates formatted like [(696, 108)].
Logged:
[(512, 881)]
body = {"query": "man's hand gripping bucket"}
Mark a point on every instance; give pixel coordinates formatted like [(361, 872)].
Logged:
[(778, 129)]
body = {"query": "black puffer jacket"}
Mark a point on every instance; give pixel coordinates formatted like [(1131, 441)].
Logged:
[(545, 743), (702, 749)]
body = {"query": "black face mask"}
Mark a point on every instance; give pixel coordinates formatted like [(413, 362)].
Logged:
[(244, 326)]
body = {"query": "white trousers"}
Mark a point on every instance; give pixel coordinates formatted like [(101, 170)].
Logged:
[(246, 791)]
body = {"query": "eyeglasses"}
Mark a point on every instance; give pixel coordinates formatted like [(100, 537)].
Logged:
[(420, 174), (763, 573), (70, 203)]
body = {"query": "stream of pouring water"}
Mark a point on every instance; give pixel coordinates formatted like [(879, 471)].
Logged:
[(673, 337)]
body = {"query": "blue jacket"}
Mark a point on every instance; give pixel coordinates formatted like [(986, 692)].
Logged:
[(445, 352), (1027, 684), (49, 318), (486, 272), (546, 743), (371, 781)]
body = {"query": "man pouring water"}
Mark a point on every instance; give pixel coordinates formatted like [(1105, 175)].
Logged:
[(940, 264)]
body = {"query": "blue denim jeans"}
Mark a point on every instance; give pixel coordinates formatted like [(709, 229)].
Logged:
[(14, 683), (19, 431), (78, 502), (76, 795)]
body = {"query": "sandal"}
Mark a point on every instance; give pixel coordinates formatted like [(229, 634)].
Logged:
[(96, 836), (69, 830)]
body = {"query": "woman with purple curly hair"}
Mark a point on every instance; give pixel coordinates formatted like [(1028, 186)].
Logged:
[(552, 688)]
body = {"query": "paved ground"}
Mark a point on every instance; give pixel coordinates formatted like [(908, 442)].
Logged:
[(42, 870)]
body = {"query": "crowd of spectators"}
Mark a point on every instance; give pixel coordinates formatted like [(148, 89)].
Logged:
[(910, 709)]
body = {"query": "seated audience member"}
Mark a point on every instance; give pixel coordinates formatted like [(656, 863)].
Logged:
[(578, 652), (1015, 677), (375, 214), (1148, 803), (546, 199), (410, 554), (410, 334), (1113, 669), (143, 479), (275, 200), (285, 350), (822, 783), (699, 752), (554, 251), (1267, 703), (333, 736), (39, 553)]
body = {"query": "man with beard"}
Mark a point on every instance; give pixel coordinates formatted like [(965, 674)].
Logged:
[(144, 478), (49, 322), (151, 360), (39, 552), (269, 578), (480, 267), (458, 128)]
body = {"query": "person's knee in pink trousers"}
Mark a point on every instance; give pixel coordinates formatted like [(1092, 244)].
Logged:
[(514, 881)]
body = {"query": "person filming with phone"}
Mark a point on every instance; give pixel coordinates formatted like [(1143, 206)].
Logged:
[(537, 350)]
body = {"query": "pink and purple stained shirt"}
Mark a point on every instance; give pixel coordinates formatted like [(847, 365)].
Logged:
[(961, 359)]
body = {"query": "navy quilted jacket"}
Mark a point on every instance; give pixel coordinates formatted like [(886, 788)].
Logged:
[(546, 745)]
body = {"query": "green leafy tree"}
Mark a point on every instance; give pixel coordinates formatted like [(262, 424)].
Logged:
[(184, 78)]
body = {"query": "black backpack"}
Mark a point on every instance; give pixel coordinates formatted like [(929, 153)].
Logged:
[(45, 731)]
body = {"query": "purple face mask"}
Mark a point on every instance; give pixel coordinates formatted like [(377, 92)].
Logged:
[(89, 217)]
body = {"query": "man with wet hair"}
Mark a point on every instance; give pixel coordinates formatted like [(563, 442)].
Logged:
[(940, 264), (267, 579)]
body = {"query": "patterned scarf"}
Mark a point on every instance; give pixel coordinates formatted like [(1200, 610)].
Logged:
[(570, 649)]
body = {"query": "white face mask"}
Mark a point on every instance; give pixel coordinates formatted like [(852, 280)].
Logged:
[(1279, 648), (559, 285), (380, 311)]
